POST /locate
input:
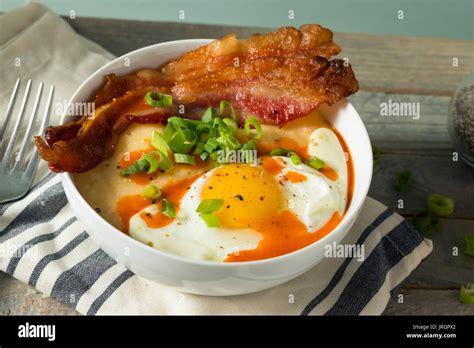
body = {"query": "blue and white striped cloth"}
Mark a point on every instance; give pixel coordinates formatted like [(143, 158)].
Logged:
[(47, 247), (44, 245)]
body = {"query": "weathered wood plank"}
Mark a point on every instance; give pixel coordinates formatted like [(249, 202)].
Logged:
[(405, 64), (396, 64), (426, 130), (444, 268), (428, 302), (431, 174)]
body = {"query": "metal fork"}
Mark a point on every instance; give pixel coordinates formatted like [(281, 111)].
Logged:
[(16, 174)]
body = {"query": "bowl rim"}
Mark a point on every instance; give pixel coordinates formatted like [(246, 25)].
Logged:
[(69, 184)]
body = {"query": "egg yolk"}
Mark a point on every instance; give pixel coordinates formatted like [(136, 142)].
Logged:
[(250, 195)]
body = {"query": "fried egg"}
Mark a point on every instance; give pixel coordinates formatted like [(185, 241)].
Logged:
[(270, 209)]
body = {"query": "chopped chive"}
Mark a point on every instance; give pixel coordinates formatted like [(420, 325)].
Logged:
[(440, 205), (294, 158), (152, 162), (205, 137), (204, 155), (466, 295), (250, 145), (231, 124), (156, 99), (214, 155), (209, 115), (251, 120), (279, 151), (210, 205), (138, 166), (424, 221), (211, 145), (158, 142), (152, 192), (315, 163), (184, 158), (468, 248), (403, 181), (210, 219), (226, 105), (164, 163), (375, 155), (167, 208), (199, 148)]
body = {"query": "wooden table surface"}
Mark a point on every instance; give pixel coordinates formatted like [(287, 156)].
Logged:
[(403, 69)]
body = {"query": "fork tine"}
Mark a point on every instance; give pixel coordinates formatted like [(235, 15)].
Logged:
[(26, 137), (6, 118), (11, 144), (31, 168)]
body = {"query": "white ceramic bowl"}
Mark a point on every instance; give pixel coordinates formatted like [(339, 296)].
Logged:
[(205, 277)]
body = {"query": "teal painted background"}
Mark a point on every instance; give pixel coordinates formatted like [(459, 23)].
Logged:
[(442, 18)]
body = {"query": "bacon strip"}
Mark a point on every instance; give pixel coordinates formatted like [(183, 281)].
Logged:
[(277, 77), (77, 150)]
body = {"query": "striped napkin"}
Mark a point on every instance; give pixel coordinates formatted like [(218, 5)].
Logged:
[(43, 244)]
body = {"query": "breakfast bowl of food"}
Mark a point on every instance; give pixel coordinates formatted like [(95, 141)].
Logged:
[(217, 167)]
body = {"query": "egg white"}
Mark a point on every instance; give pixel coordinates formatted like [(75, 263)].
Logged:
[(313, 201), (188, 235)]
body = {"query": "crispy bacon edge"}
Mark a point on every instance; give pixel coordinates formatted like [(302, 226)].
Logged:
[(81, 145)]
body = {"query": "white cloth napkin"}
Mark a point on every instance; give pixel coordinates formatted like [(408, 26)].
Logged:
[(43, 244)]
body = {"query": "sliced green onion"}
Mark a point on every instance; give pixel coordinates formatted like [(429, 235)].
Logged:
[(176, 140), (205, 137), (218, 123), (424, 221), (226, 105), (204, 155), (315, 163), (214, 155), (184, 158), (279, 151), (178, 122), (210, 205), (209, 115), (210, 219), (152, 161), (164, 163), (231, 124), (199, 148), (167, 208), (168, 132), (294, 158), (211, 145), (182, 140), (375, 154), (253, 121), (469, 245), (138, 166), (189, 141), (152, 192), (440, 205), (156, 99), (158, 142), (228, 141), (205, 131), (250, 145), (466, 295), (403, 181)]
